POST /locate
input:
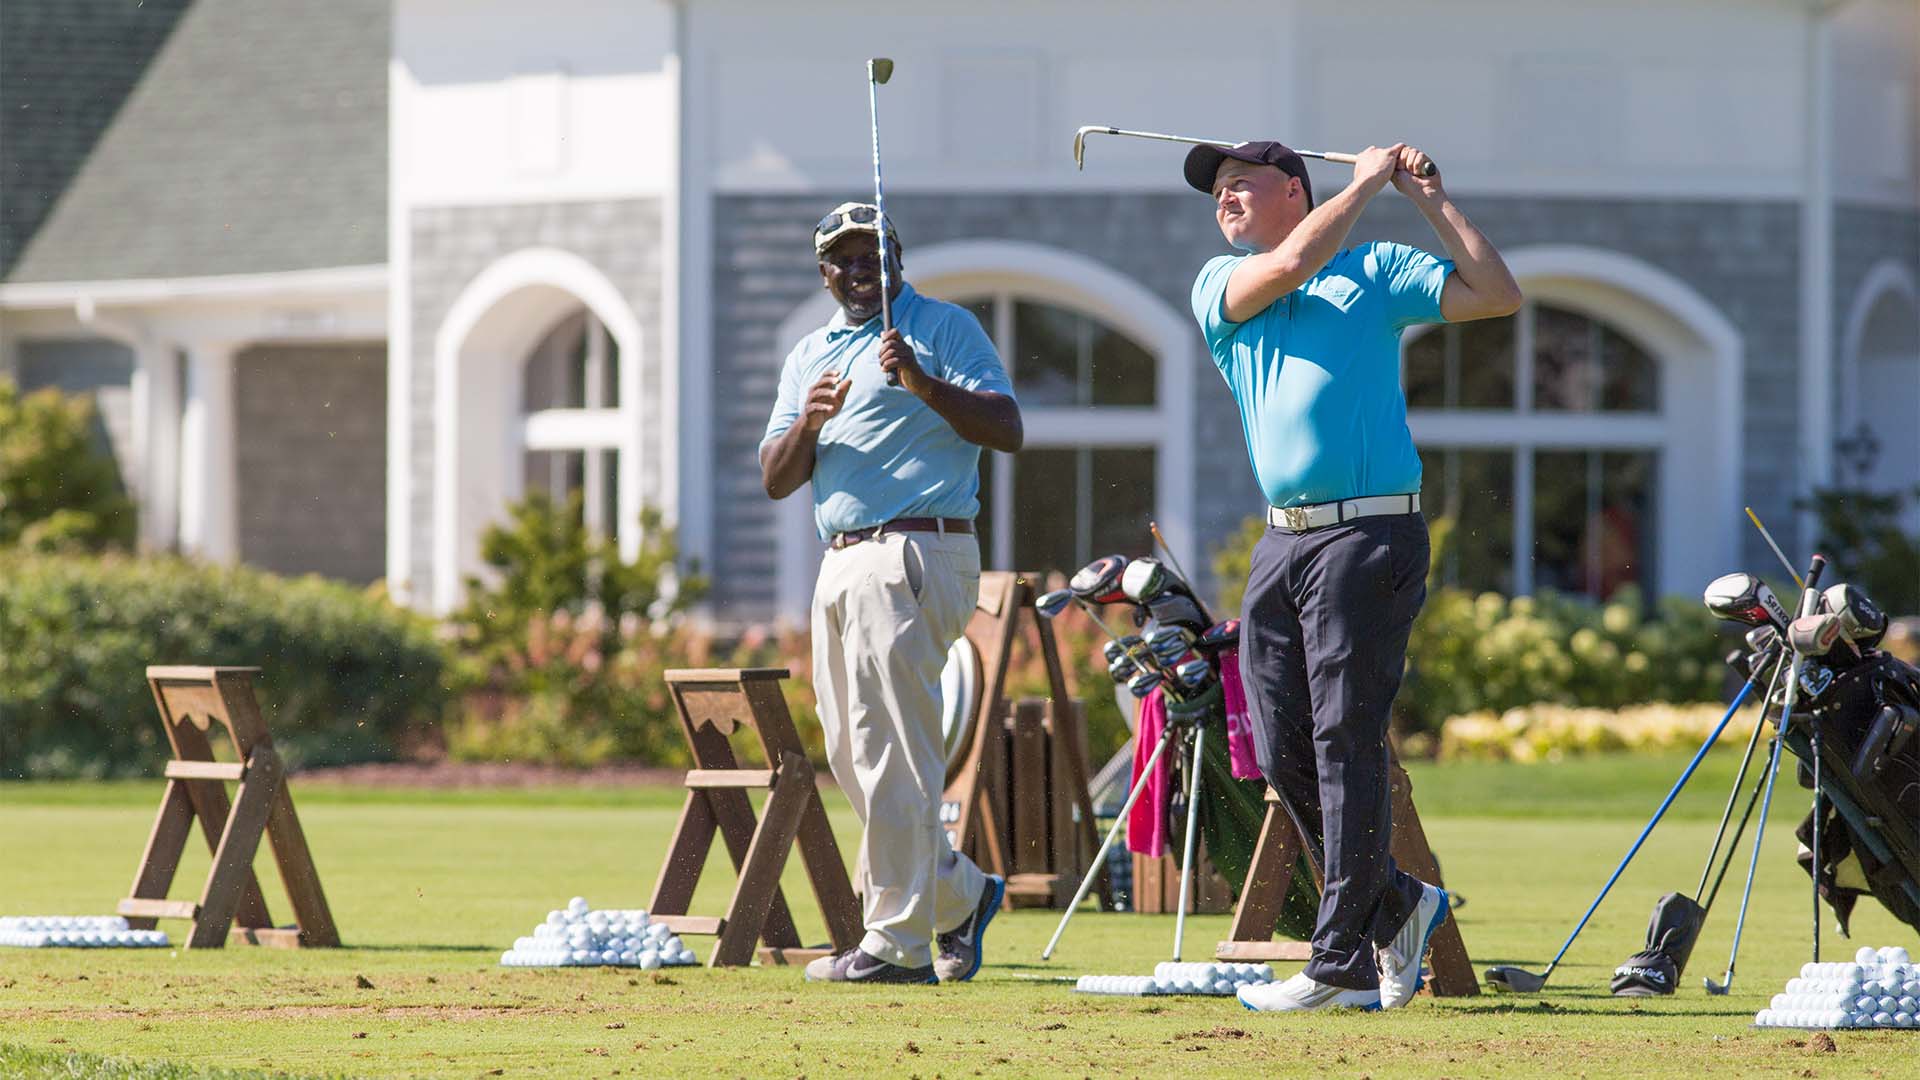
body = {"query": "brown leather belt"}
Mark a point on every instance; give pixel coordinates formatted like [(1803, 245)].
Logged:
[(908, 524)]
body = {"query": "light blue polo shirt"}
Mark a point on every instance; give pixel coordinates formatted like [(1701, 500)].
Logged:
[(1317, 374), (886, 454)]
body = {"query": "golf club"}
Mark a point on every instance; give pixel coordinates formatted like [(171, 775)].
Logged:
[(1143, 580), (1861, 619), (1099, 581), (1172, 559), (1080, 146), (1218, 638), (879, 70), (1052, 604), (1781, 555), (1508, 977), (1808, 599), (1186, 859)]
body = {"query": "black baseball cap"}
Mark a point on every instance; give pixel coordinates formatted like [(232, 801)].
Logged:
[(1203, 163)]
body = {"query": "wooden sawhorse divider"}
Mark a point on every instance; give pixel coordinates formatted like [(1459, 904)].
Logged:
[(712, 704), (191, 701), (974, 811), (1271, 874)]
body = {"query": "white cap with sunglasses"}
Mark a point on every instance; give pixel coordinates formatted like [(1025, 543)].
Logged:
[(849, 217)]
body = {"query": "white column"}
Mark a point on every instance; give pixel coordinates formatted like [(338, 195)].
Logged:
[(208, 480), (156, 422), (1816, 270)]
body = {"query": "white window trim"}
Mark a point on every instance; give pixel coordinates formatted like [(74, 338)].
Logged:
[(1885, 278), (1031, 271), (495, 321), (1699, 428)]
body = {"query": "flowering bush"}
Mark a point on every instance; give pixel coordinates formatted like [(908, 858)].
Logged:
[(1554, 732)]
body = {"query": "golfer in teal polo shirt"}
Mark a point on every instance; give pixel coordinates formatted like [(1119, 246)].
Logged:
[(896, 477), (1306, 332)]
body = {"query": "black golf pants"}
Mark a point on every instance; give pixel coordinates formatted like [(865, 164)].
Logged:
[(1323, 643)]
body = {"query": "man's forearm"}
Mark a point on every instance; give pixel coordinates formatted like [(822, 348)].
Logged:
[(1262, 279), (788, 462), (982, 418), (1474, 257)]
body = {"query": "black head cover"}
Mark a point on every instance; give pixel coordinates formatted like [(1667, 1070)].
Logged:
[(1670, 936)]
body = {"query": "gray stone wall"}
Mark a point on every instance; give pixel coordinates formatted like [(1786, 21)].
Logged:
[(1741, 256), (311, 458), (452, 245)]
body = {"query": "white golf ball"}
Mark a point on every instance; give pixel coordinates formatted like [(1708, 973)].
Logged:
[(1883, 1018), (1867, 955), (649, 959), (578, 907)]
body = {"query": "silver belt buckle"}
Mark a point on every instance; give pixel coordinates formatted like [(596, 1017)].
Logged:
[(1296, 518)]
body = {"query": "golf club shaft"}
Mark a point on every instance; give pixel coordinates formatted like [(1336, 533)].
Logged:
[(1759, 836), (1733, 794), (1100, 857), (1080, 137), (1174, 560), (1186, 851), (1699, 755), (880, 209), (1813, 731), (1739, 830), (1781, 555), (1136, 653)]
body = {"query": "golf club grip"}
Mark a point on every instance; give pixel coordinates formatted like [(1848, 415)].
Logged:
[(1350, 159)]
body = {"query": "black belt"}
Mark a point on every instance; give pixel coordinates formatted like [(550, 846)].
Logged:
[(907, 524)]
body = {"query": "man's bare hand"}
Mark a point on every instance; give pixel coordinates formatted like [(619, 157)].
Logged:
[(1375, 165), (1407, 179), (824, 399), (897, 360)]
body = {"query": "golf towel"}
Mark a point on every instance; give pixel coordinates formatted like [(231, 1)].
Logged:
[(1147, 821), (1239, 733)]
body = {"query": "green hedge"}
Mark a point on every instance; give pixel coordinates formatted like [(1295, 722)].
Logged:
[(344, 673)]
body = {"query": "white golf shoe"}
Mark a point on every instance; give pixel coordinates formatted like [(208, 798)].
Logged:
[(1399, 960), (1302, 993)]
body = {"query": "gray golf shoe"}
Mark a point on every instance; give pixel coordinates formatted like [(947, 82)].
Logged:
[(960, 947), (858, 965)]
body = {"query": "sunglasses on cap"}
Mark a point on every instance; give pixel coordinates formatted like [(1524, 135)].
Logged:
[(859, 218)]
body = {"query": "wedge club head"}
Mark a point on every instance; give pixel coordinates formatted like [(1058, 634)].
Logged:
[(1053, 603), (880, 69)]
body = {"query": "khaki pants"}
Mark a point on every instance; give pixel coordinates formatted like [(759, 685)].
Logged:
[(885, 612)]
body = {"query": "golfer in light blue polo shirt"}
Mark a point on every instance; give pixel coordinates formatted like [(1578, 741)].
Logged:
[(895, 467), (1306, 332)]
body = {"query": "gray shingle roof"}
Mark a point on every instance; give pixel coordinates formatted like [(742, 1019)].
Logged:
[(256, 141), (66, 66)]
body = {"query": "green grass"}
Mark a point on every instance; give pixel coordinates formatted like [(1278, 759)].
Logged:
[(429, 887)]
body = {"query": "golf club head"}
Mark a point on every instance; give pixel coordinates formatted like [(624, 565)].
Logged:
[(1143, 580), (1098, 582), (1514, 980), (1762, 638), (1718, 989), (1113, 650), (1053, 603), (1861, 620), (1815, 635), (880, 69), (1745, 599), (1080, 145), (1142, 684), (1193, 674), (1173, 609), (1218, 638), (1122, 669)]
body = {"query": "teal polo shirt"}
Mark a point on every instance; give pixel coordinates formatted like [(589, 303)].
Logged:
[(1317, 374), (886, 454)]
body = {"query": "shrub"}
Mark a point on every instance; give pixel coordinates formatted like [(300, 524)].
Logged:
[(57, 488), (1860, 531), (345, 676), (1555, 732), (563, 653)]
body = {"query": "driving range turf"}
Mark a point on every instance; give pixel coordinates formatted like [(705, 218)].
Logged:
[(430, 886)]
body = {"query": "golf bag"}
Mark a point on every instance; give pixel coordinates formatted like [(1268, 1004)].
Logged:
[(1677, 919), (1869, 722)]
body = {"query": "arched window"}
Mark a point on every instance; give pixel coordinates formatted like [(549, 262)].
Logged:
[(1541, 435), (1876, 445), (1084, 484), (570, 401)]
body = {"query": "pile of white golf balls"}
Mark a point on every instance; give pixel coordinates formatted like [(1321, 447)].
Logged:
[(578, 936), (1879, 989), (76, 932), (1175, 978)]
